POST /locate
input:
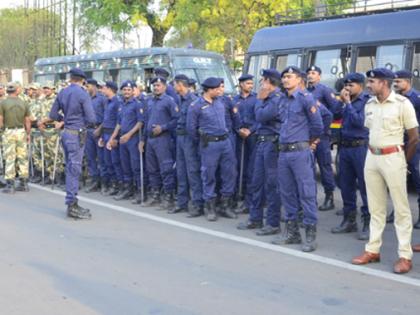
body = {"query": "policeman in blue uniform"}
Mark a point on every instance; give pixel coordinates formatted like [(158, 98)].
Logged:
[(206, 122), (264, 183), (163, 73), (187, 156), (113, 178), (246, 101), (319, 91), (352, 154), (161, 120), (301, 127), (403, 86), (95, 153), (73, 105), (130, 120)]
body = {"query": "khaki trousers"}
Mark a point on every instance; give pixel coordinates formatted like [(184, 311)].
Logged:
[(382, 172)]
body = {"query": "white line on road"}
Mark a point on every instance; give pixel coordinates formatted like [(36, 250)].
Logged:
[(247, 241)]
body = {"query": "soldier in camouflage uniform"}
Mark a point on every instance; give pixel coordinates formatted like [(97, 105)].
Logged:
[(51, 135), (15, 120), (35, 111), (2, 97)]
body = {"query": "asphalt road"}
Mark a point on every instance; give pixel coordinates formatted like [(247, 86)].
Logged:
[(132, 260)]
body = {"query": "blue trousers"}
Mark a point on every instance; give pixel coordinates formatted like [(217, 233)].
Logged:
[(264, 185), (188, 172), (160, 163), (94, 156), (113, 170), (297, 185), (130, 160), (73, 154), (352, 164), (249, 145), (218, 155), (324, 159), (413, 167)]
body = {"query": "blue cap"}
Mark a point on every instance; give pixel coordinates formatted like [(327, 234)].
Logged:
[(76, 72), (380, 73), (181, 77), (291, 69), (314, 68), (111, 85), (192, 81), (403, 74), (92, 81), (212, 83), (161, 72), (245, 77), (271, 73), (354, 77), (128, 83), (158, 79)]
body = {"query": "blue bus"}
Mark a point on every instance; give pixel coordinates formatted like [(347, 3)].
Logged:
[(137, 64), (341, 45)]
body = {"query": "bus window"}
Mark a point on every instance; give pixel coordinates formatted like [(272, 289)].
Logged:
[(41, 79), (287, 60), (333, 63), (366, 59), (126, 74), (256, 64), (98, 75), (390, 57), (416, 66)]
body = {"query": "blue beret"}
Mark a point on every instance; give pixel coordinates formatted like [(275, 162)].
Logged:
[(314, 68), (271, 73), (111, 85), (77, 73), (192, 81), (354, 77), (291, 69), (380, 73), (212, 83), (403, 74), (158, 79), (181, 77), (245, 77), (92, 81), (127, 83), (160, 72)]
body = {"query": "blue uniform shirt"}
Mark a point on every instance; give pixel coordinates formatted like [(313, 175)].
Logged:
[(74, 103), (353, 114), (267, 114), (99, 102), (232, 116), (111, 113), (161, 110), (324, 94), (300, 118), (327, 118), (206, 118), (246, 106), (414, 97), (172, 93), (184, 106), (130, 113)]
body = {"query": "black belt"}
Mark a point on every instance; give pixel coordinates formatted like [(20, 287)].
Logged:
[(72, 131), (216, 138), (353, 143), (181, 132), (107, 130), (267, 138), (293, 147), (159, 135), (50, 126)]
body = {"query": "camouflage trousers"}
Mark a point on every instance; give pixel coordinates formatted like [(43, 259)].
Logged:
[(15, 152), (36, 149), (50, 138)]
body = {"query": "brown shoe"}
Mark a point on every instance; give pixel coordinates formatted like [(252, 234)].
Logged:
[(366, 258), (416, 248), (403, 266)]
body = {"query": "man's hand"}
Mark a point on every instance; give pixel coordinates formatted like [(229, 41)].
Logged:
[(124, 138), (157, 130), (314, 143), (263, 92), (345, 96), (41, 126), (28, 138), (112, 143), (244, 133), (58, 125), (141, 146), (101, 143)]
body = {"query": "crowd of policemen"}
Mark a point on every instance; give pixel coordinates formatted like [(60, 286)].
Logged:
[(213, 155)]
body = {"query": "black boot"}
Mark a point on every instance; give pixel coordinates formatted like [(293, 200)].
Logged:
[(37, 178), (10, 187), (138, 198), (178, 209), (154, 199), (310, 238), (93, 186), (348, 224), (114, 189), (210, 209), (104, 187), (328, 202), (292, 235), (61, 183), (125, 193), (243, 208), (3, 183), (75, 211), (23, 185), (417, 225), (195, 211), (364, 232), (168, 201), (226, 208), (390, 217)]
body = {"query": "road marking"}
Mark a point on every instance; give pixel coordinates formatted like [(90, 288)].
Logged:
[(247, 241)]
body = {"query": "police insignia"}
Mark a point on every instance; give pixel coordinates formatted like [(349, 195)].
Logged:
[(372, 75), (313, 68), (313, 109), (235, 110), (290, 70)]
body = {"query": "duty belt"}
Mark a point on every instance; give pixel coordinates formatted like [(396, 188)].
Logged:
[(353, 143), (49, 126), (267, 138), (72, 131), (107, 130), (387, 150), (159, 135), (293, 147), (216, 138), (181, 132)]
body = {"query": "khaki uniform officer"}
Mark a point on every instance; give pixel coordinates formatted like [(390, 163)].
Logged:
[(388, 115)]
